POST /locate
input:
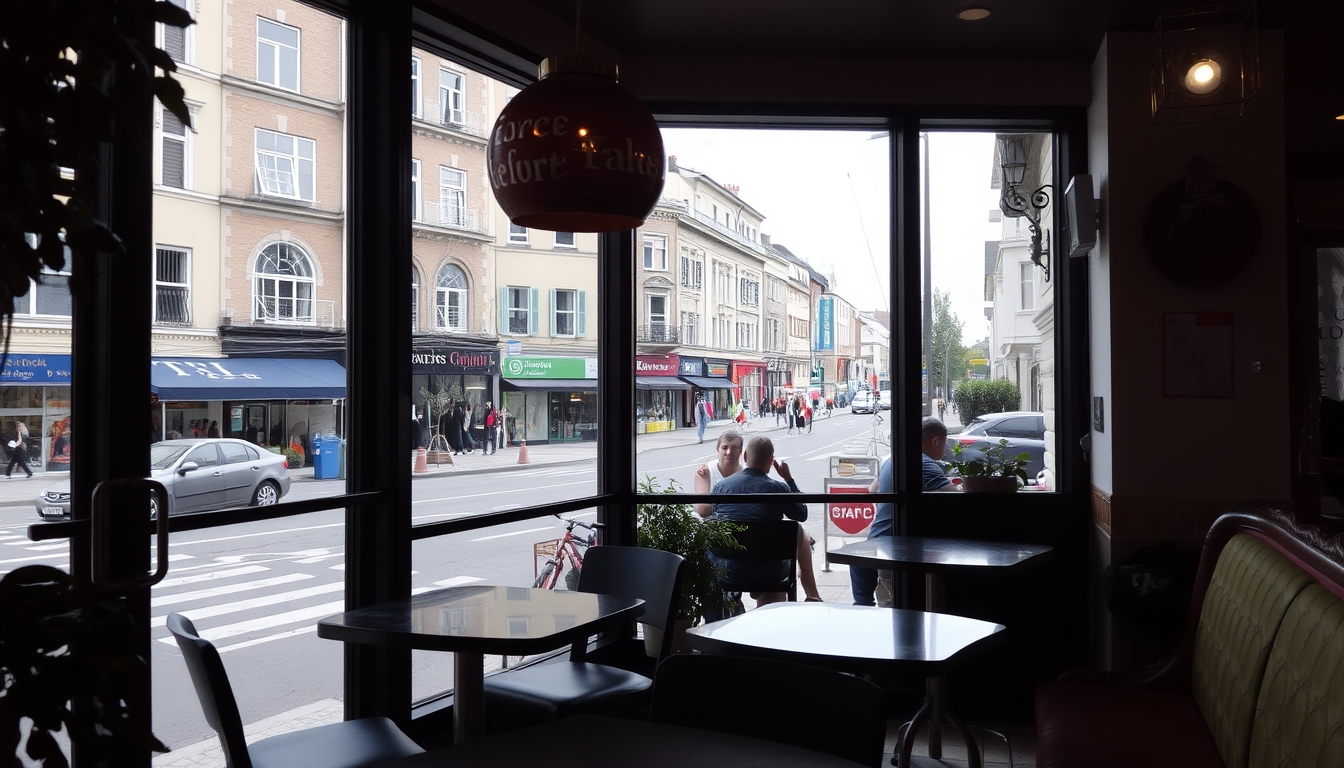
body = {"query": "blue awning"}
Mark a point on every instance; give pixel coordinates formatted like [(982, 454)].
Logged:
[(246, 378)]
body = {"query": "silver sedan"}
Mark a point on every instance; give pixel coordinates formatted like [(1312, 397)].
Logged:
[(201, 474)]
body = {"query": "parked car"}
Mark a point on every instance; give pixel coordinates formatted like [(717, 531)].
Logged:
[(201, 474), (862, 402), (884, 400), (1024, 431)]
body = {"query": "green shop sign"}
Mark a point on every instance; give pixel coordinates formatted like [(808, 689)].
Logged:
[(550, 367)]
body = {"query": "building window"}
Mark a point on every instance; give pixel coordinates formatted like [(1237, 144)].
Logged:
[(172, 285), (175, 40), (517, 234), (415, 189), (277, 54), (564, 240), (451, 111), (285, 165), (452, 196), (518, 310), (723, 283), (692, 272), (174, 151), (1028, 276), (415, 299), (746, 336), (690, 328), (657, 318), (415, 87), (568, 310), (450, 300), (51, 296), (285, 285), (749, 291), (655, 252)]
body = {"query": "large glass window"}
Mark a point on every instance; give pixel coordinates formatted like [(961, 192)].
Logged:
[(284, 285), (174, 151), (450, 98), (451, 296), (172, 285), (286, 165), (452, 196), (277, 54), (655, 252)]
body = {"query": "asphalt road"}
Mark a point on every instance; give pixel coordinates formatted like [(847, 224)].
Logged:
[(257, 590)]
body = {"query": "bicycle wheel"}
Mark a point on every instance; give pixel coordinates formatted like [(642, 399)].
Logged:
[(572, 579), (545, 574)]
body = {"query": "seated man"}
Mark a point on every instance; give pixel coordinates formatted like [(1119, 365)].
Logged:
[(759, 458), (933, 440)]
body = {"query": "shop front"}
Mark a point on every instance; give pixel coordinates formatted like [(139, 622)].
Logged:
[(35, 389), (749, 376), (659, 394), (549, 399), (452, 375), (716, 386), (276, 403), (778, 376)]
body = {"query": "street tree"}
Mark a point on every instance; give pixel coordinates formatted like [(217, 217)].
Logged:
[(949, 355)]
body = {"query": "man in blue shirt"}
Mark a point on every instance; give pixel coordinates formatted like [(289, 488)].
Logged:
[(932, 443), (759, 458)]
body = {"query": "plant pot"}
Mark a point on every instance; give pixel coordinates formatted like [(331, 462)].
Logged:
[(653, 638), (990, 484)]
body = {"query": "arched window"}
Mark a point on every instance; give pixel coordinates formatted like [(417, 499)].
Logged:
[(284, 290), (415, 299), (451, 299)]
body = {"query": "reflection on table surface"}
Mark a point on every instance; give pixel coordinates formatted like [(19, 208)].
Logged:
[(845, 636), (924, 553)]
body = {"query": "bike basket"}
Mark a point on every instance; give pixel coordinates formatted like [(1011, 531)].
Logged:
[(542, 550)]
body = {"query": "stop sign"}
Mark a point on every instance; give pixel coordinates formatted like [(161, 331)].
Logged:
[(852, 518)]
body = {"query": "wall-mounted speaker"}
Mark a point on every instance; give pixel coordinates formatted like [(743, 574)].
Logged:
[(1080, 210)]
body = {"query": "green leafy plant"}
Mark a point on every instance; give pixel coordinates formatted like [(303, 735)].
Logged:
[(293, 457), (993, 461), (976, 398), (55, 113), (677, 529), (60, 643)]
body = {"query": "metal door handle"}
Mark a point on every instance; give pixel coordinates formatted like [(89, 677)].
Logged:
[(219, 474), (100, 521)]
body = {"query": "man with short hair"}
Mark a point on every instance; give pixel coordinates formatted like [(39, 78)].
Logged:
[(759, 458), (932, 443)]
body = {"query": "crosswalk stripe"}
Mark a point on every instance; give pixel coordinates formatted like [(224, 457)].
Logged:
[(211, 575), (227, 589), (456, 580), (256, 602), (266, 639), (310, 613)]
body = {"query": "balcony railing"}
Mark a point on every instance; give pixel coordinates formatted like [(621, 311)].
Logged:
[(730, 234), (658, 334), (289, 311), (437, 214), (172, 305), (454, 119)]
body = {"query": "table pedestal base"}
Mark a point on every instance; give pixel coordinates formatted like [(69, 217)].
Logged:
[(934, 712), (468, 696)]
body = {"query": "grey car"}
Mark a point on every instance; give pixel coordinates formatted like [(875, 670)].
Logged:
[(1024, 431), (201, 474)]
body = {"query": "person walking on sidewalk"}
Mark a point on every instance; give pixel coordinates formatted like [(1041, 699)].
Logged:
[(701, 416), (19, 450), (491, 428)]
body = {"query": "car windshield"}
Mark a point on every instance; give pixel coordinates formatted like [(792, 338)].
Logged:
[(976, 427), (163, 456)]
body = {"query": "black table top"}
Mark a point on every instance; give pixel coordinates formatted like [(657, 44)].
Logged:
[(483, 619), (589, 741), (847, 637), (928, 555)]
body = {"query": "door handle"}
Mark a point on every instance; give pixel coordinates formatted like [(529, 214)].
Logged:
[(219, 474), (100, 521)]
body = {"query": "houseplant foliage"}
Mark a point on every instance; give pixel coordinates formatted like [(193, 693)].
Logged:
[(55, 112), (991, 468), (59, 642), (677, 529)]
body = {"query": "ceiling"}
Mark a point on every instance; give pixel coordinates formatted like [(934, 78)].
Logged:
[(901, 29)]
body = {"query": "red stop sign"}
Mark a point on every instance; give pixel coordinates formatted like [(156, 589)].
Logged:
[(851, 517)]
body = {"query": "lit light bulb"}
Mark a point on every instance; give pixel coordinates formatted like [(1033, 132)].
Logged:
[(1204, 77), (583, 131)]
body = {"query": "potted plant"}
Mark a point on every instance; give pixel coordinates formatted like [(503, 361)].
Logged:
[(992, 470), (677, 529), (60, 643)]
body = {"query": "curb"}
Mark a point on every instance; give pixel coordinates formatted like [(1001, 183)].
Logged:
[(460, 472)]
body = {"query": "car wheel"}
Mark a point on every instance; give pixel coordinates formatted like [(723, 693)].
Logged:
[(267, 493)]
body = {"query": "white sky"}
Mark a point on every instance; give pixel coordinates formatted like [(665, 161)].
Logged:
[(821, 191)]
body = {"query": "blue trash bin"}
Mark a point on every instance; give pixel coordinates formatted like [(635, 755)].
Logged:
[(326, 457)]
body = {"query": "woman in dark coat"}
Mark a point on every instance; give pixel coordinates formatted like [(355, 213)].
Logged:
[(454, 434)]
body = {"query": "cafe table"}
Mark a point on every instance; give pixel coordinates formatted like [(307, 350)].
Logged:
[(474, 620), (935, 558), (856, 638)]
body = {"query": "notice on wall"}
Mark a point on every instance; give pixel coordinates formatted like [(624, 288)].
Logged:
[(1197, 354), (1330, 320)]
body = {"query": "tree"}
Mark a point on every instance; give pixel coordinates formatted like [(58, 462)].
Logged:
[(948, 352)]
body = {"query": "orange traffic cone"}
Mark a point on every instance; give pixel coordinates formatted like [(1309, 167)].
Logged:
[(522, 453), (421, 463)]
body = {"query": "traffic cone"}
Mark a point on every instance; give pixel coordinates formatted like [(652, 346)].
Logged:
[(522, 453), (421, 464)]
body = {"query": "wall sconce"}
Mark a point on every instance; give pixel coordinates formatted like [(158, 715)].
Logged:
[(1206, 63), (1015, 205)]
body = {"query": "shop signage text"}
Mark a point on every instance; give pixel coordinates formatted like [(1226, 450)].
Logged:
[(852, 518), (484, 361), (692, 366), (826, 324), (36, 369), (213, 370), (550, 368), (657, 365), (716, 368)]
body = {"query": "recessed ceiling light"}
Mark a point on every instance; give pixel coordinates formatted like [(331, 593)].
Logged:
[(973, 13)]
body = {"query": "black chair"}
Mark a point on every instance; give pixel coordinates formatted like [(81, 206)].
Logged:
[(778, 701), (553, 690), (763, 542), (349, 744)]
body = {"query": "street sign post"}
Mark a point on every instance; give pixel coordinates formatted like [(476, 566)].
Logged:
[(846, 518)]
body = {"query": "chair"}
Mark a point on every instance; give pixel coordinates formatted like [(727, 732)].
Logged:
[(553, 690), (763, 541), (778, 701), (349, 744)]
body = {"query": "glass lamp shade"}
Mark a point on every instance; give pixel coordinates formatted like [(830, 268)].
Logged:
[(1013, 160), (576, 152), (1205, 63)]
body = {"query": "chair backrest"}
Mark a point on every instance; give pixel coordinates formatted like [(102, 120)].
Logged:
[(651, 575), (778, 701), (213, 689), (763, 541)]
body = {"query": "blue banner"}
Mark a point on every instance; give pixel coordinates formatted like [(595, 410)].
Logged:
[(36, 368), (826, 324)]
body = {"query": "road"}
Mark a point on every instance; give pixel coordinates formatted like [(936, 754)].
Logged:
[(256, 590)]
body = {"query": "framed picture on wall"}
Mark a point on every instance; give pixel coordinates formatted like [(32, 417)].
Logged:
[(1197, 354)]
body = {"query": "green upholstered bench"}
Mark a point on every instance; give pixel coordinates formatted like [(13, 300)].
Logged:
[(1257, 681)]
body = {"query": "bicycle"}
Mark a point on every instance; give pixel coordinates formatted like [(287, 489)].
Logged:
[(880, 439), (567, 548)]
